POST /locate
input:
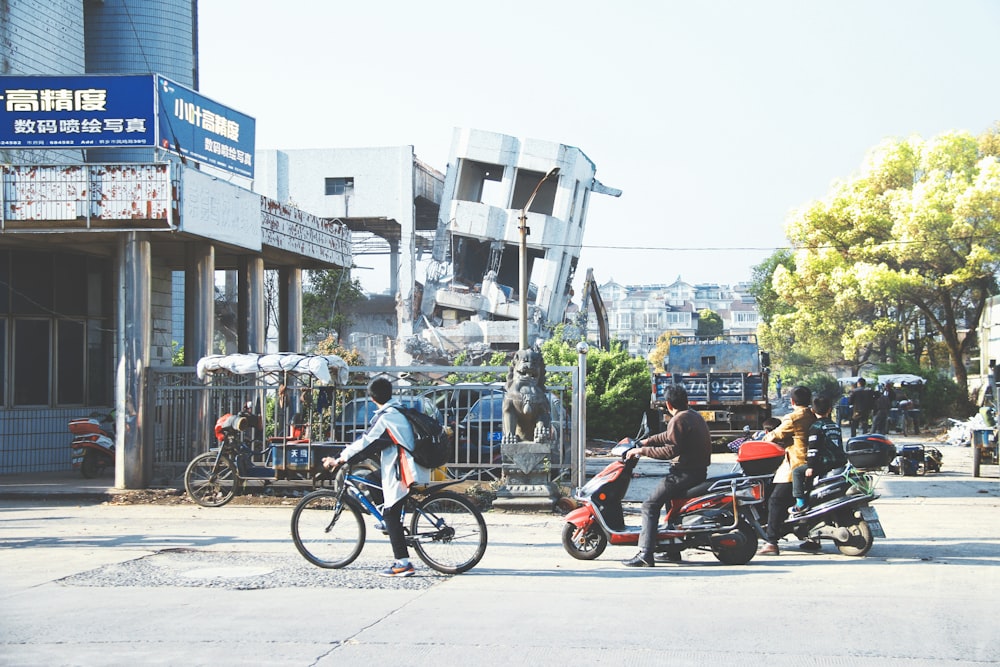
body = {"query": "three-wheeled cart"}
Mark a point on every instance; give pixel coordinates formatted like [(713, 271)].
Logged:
[(984, 449), (251, 455)]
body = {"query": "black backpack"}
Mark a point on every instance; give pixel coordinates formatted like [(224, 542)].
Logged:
[(430, 446)]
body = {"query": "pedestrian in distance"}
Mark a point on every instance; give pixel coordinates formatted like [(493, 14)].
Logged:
[(391, 436), (862, 403)]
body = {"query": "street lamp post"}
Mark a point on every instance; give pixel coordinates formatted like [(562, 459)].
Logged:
[(523, 264)]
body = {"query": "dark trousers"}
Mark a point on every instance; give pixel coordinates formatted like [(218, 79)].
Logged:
[(394, 526), (859, 421), (674, 485), (777, 511)]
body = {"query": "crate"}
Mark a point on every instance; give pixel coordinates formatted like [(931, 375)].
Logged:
[(870, 451), (303, 456)]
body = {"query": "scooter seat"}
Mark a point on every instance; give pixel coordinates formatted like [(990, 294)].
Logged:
[(702, 489)]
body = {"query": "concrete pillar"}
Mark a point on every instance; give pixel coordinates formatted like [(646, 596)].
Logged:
[(199, 301), (251, 314), (394, 266), (134, 458), (290, 309)]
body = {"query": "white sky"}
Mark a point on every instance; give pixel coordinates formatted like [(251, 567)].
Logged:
[(716, 118)]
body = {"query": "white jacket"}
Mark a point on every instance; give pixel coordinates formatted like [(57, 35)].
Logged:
[(399, 470)]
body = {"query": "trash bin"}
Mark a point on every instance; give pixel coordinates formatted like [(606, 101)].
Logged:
[(981, 437)]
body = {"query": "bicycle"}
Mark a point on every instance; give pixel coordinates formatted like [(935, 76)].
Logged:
[(446, 529)]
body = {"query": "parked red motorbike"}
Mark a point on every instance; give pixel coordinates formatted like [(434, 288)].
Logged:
[(712, 519), (93, 446)]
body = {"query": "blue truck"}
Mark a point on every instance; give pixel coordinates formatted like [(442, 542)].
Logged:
[(726, 378)]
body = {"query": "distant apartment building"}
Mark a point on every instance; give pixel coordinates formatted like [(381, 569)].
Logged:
[(639, 314)]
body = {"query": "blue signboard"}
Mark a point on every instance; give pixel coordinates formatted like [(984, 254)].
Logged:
[(77, 111), (194, 126)]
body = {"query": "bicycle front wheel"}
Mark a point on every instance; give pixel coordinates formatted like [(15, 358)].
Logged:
[(448, 532), (211, 480), (328, 529)]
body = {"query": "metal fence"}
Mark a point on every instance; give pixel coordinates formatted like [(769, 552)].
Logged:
[(468, 399)]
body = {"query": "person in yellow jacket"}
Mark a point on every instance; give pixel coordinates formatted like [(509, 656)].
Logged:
[(792, 434)]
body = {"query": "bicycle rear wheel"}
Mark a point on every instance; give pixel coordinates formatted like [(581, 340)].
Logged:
[(327, 530), (448, 532)]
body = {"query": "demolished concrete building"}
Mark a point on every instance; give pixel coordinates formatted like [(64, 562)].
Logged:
[(471, 292)]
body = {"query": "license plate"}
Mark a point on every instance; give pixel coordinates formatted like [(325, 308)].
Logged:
[(870, 516)]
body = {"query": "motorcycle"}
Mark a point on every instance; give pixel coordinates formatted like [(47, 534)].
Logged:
[(713, 518), (839, 502), (916, 460), (93, 445)]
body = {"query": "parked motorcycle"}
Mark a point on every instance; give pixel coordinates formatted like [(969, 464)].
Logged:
[(93, 445), (840, 501), (916, 460), (714, 518)]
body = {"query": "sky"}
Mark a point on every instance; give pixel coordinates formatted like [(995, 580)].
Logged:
[(716, 118)]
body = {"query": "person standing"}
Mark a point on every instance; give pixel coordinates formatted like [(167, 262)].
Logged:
[(391, 434), (793, 435), (880, 420), (862, 402), (688, 440)]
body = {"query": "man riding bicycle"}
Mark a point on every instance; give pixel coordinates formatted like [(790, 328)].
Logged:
[(391, 434)]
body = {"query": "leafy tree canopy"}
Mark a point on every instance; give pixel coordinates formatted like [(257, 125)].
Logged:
[(908, 246)]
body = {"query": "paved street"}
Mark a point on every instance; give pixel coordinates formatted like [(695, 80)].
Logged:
[(98, 584)]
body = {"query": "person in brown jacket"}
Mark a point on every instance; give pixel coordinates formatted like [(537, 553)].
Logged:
[(688, 440), (793, 435)]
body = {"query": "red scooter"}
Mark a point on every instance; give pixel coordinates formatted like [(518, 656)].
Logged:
[(711, 519), (93, 446)]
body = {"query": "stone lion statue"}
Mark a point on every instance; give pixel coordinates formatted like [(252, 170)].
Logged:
[(526, 415)]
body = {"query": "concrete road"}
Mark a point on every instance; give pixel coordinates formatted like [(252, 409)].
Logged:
[(124, 585)]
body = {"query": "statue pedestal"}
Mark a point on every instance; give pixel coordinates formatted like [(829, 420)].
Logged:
[(526, 479)]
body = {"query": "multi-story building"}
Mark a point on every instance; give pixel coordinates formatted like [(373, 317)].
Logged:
[(639, 314), (98, 217), (473, 285)]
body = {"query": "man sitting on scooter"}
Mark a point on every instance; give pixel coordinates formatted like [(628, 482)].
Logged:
[(686, 439)]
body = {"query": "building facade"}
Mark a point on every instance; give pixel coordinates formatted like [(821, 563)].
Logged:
[(90, 240), (639, 314), (472, 288)]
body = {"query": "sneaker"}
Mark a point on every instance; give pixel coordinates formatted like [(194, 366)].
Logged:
[(397, 569), (798, 509), (768, 550)]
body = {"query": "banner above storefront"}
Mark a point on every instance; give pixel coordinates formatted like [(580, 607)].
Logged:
[(124, 111), (77, 111), (198, 128)]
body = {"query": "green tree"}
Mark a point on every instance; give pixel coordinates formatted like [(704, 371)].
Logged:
[(710, 323), (769, 303), (618, 385), (909, 246), (327, 298)]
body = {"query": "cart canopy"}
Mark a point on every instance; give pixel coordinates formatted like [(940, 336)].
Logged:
[(324, 368), (900, 379)]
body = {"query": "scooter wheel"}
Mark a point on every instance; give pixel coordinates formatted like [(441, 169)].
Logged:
[(93, 464), (861, 540), (583, 544)]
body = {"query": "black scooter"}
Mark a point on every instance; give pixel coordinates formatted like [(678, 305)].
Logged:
[(840, 501)]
